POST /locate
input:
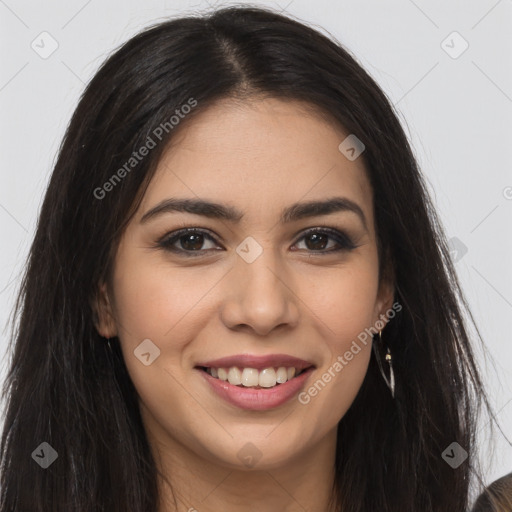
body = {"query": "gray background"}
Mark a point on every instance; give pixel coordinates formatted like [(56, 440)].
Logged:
[(456, 108)]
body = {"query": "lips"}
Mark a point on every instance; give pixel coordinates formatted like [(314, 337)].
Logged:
[(256, 382), (257, 399)]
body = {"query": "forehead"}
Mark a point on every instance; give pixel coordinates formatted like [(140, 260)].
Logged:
[(259, 156)]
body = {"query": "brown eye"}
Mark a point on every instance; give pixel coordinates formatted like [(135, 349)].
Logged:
[(317, 240), (191, 241), (187, 241)]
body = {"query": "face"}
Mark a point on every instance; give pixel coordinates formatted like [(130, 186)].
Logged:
[(249, 283)]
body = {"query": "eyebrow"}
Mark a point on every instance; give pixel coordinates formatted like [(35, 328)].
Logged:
[(289, 214)]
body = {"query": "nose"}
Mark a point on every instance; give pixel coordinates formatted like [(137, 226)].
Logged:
[(260, 296)]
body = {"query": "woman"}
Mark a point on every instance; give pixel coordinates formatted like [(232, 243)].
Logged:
[(239, 296)]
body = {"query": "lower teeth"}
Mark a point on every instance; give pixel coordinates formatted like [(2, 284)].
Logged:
[(256, 387)]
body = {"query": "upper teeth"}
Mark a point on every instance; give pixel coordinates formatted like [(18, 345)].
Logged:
[(248, 377)]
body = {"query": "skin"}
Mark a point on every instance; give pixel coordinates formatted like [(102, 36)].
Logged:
[(300, 302)]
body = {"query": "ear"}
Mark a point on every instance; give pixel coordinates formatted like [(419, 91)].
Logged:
[(385, 297), (102, 312), (386, 293)]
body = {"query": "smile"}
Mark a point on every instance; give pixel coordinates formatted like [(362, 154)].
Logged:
[(255, 398)]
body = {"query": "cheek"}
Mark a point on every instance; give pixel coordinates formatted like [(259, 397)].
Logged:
[(344, 303), (156, 301), (163, 305), (347, 342), (170, 307), (332, 392), (344, 299)]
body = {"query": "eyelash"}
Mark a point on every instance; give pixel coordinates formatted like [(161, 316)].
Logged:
[(342, 239)]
